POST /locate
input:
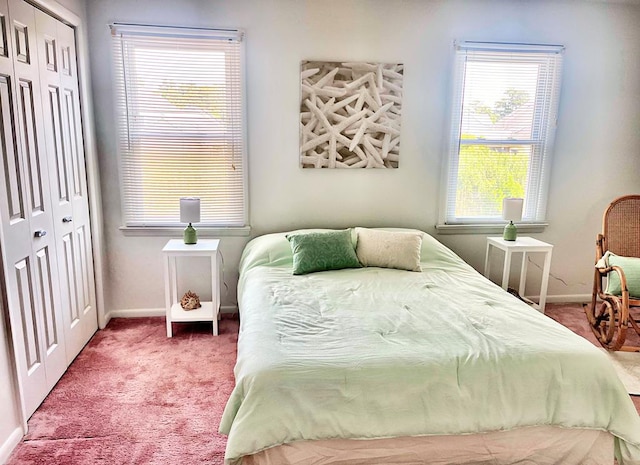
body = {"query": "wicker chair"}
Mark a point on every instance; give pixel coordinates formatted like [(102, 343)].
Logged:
[(611, 315)]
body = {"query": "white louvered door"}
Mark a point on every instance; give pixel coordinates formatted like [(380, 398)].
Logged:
[(44, 214), (61, 107)]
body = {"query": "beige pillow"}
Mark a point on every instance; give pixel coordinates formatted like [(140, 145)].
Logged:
[(389, 249)]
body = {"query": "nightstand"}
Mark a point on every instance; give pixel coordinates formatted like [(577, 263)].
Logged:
[(524, 245), (210, 311)]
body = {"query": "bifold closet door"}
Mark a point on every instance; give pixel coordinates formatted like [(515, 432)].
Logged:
[(65, 152), (44, 210), (28, 242)]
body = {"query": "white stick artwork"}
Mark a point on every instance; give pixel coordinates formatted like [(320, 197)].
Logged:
[(350, 114)]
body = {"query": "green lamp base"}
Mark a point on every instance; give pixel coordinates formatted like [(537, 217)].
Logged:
[(510, 232), (190, 235)]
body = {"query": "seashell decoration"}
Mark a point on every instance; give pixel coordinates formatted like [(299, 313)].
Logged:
[(190, 301)]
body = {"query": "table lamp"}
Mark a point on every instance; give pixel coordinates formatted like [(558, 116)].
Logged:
[(511, 211), (190, 213)]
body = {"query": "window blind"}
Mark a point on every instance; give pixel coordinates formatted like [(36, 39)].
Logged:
[(504, 113), (181, 124)]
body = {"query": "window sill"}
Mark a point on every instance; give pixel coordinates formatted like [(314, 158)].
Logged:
[(173, 231), (488, 228)]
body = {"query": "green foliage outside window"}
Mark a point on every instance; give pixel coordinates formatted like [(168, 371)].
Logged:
[(486, 175), (512, 100), (489, 173)]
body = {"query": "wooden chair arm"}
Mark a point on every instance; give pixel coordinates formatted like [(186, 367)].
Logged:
[(621, 275), (620, 271), (624, 295), (600, 246)]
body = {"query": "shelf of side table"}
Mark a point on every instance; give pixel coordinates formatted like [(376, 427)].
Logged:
[(209, 311)]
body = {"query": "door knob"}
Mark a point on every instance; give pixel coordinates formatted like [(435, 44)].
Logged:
[(40, 233), (67, 219)]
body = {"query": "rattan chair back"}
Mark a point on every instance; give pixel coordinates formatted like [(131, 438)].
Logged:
[(621, 226)]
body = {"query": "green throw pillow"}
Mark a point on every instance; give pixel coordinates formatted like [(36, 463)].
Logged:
[(322, 251), (631, 268)]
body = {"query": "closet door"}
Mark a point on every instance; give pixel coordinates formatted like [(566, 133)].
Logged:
[(64, 142), (29, 257), (75, 154)]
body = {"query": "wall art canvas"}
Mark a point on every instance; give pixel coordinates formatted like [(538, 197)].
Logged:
[(350, 114)]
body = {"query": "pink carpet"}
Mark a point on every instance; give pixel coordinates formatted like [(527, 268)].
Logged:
[(573, 317), (133, 396)]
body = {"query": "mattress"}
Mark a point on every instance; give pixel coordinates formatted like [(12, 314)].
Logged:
[(376, 353)]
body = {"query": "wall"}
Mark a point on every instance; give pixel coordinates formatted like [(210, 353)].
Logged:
[(75, 6), (598, 135)]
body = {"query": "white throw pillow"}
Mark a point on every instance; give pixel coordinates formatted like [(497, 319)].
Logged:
[(389, 249)]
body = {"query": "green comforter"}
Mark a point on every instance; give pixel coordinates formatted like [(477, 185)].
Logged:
[(376, 353)]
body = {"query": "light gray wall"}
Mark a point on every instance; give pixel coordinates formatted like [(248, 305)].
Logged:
[(597, 153), (75, 6)]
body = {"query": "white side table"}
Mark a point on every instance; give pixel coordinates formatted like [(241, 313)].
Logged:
[(209, 311), (525, 245)]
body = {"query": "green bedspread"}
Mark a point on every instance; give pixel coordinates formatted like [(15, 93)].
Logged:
[(376, 353)]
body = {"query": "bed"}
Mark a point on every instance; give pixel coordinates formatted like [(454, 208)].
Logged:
[(378, 365)]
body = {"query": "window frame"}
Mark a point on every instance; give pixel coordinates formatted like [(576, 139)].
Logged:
[(534, 218), (160, 31)]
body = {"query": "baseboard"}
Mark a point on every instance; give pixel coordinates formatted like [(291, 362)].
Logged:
[(12, 441), (145, 312), (563, 298), (229, 309), (136, 312), (566, 298)]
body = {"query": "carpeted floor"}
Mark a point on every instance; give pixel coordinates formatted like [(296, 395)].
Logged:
[(133, 396), (573, 317)]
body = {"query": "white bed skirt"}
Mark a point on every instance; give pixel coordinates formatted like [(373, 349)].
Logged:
[(540, 445)]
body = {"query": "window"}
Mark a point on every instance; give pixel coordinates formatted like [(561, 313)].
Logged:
[(503, 122), (181, 124)]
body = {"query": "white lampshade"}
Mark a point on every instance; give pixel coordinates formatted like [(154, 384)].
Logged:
[(189, 210), (512, 209)]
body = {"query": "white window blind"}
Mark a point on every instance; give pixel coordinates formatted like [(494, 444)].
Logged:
[(181, 124), (503, 123)]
